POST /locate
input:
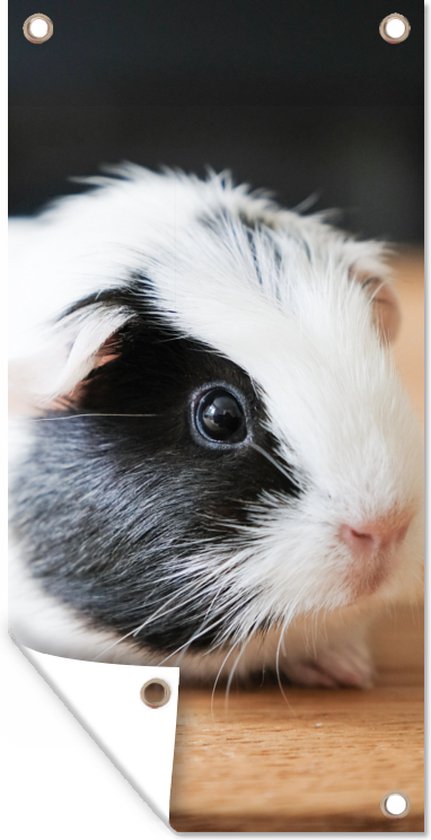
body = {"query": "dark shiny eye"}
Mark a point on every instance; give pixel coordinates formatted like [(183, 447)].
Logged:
[(219, 417)]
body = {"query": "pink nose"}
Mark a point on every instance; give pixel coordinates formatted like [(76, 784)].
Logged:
[(376, 536)]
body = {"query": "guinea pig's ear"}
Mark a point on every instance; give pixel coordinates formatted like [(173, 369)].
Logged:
[(90, 331), (58, 359), (386, 309)]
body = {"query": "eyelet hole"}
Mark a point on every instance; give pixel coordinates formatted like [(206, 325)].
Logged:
[(38, 28), (395, 805), (155, 693), (394, 28)]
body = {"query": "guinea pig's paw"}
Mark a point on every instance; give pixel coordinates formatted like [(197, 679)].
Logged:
[(345, 665)]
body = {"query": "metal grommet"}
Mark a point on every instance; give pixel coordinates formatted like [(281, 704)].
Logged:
[(395, 805), (155, 693), (394, 28), (38, 28)]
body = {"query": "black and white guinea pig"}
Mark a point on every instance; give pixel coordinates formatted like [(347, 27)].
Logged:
[(217, 465)]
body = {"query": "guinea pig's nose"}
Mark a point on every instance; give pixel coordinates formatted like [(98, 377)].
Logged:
[(377, 535)]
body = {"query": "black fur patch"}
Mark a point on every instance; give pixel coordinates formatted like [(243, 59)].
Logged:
[(217, 220), (111, 511)]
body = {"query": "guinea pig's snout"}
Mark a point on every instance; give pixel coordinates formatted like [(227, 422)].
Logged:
[(377, 536)]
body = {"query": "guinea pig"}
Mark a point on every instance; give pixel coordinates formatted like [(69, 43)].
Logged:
[(217, 466)]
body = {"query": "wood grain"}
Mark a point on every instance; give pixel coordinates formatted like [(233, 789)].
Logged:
[(323, 760)]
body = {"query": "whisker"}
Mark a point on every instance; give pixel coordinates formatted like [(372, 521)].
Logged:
[(159, 613), (277, 662), (195, 636), (202, 625), (289, 617), (218, 675), (287, 474), (205, 628), (87, 414), (239, 635), (232, 672)]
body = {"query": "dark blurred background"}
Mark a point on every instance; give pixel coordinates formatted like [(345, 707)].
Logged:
[(298, 96)]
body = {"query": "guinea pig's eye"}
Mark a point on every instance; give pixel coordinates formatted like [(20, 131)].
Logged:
[(219, 417)]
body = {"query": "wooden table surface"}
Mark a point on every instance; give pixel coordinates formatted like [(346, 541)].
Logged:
[(323, 760)]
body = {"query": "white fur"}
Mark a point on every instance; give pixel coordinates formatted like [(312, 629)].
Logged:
[(297, 324)]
